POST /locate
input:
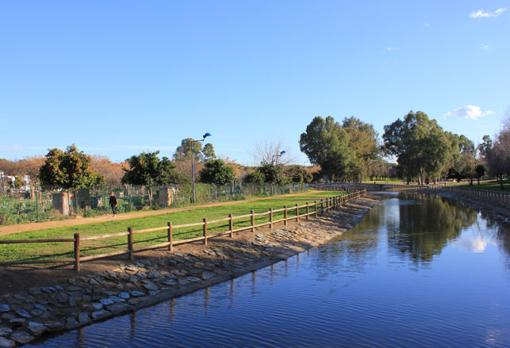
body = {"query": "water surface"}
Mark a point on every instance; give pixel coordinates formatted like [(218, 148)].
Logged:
[(419, 271)]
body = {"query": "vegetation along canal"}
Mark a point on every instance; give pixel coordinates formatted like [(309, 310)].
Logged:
[(419, 271)]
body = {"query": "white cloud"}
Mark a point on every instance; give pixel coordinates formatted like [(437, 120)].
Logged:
[(487, 14), (484, 47), (391, 48), (471, 112)]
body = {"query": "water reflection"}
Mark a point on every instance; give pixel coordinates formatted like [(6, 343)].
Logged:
[(424, 229)]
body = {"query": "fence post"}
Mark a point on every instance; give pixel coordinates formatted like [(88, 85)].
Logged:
[(130, 244), (307, 211), (270, 217), (285, 214), (322, 206), (297, 213), (205, 231), (231, 225), (77, 252), (170, 237), (316, 209), (252, 220)]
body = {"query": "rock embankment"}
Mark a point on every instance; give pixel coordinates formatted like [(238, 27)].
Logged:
[(120, 287)]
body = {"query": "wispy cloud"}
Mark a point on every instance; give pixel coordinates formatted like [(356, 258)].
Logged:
[(484, 47), (470, 112), (391, 48), (487, 14)]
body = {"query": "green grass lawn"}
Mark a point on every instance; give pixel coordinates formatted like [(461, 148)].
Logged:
[(42, 252), (487, 185)]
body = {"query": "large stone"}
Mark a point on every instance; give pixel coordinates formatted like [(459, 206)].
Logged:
[(106, 301), (94, 281), (116, 299), (150, 286), (153, 275), (5, 343), (124, 295), (99, 314), (55, 325), (84, 318), (22, 337), (36, 328), (23, 313), (97, 306), (136, 293), (40, 307), (169, 281)]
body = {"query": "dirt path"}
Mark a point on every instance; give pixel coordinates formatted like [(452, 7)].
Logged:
[(34, 226)]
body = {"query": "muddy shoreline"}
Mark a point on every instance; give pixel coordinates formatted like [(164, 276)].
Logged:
[(61, 300)]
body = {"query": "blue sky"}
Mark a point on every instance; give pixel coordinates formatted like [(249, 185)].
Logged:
[(119, 77)]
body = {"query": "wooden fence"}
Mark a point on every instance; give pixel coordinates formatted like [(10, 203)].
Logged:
[(294, 213)]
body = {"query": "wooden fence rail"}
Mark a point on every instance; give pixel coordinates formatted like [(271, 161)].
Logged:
[(296, 212)]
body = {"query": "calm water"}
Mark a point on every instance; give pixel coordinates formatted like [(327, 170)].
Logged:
[(418, 272)]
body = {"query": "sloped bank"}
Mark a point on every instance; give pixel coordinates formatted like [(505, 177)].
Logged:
[(160, 275)]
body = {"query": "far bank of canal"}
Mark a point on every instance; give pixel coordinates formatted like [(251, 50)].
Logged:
[(418, 271)]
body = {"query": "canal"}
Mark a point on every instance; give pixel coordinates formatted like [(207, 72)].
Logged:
[(419, 271)]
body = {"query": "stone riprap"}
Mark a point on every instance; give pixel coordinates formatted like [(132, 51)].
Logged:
[(160, 275)]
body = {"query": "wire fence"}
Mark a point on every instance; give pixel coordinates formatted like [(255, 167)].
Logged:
[(25, 207)]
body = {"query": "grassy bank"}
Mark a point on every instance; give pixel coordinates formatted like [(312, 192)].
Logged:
[(43, 252), (492, 185)]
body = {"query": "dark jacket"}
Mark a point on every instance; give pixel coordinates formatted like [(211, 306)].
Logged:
[(113, 200)]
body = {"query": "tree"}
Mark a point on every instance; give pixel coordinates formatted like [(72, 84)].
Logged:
[(461, 161), (498, 156), (149, 170), (273, 173), (480, 172), (217, 172), (485, 147), (298, 174), (420, 145), (68, 169), (187, 148), (255, 177), (363, 144), (208, 152), (191, 147), (326, 144)]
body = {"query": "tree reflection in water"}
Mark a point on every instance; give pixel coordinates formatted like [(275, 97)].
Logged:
[(427, 224)]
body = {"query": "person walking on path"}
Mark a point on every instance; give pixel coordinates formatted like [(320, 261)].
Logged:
[(113, 203)]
